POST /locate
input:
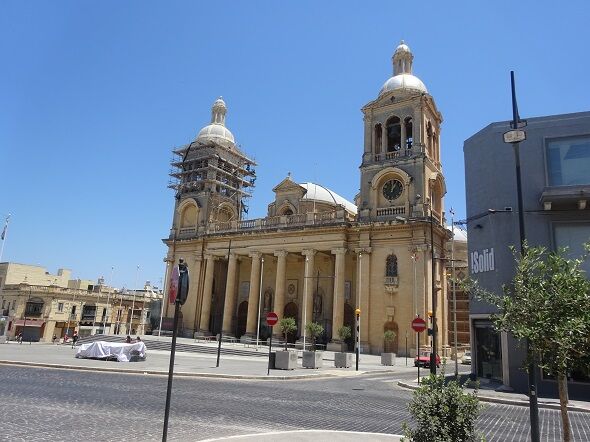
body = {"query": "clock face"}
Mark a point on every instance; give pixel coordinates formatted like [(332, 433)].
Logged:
[(392, 189)]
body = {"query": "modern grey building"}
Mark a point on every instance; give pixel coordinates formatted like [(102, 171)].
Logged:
[(555, 170)]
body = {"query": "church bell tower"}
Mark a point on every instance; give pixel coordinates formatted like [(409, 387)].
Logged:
[(401, 174)]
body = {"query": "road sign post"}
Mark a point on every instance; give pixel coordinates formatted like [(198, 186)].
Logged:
[(418, 325), (358, 335), (271, 320), (180, 282)]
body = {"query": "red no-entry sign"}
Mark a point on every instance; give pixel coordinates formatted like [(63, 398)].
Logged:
[(419, 325), (271, 318)]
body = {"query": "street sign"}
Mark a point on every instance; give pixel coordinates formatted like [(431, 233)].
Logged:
[(419, 325), (173, 286), (514, 136), (271, 318)]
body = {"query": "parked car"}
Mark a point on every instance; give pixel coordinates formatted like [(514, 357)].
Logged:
[(423, 360), (466, 359)]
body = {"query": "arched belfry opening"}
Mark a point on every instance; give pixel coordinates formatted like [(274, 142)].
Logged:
[(394, 134)]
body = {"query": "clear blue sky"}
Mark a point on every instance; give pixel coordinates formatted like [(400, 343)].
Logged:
[(95, 94)]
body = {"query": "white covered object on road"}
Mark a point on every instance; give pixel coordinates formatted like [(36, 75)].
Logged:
[(107, 350)]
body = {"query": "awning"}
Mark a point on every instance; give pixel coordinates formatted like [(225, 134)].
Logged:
[(29, 323)]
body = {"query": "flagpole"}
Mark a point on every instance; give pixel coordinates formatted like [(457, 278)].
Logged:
[(4, 235)]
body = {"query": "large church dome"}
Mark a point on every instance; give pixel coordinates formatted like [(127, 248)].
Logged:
[(216, 132), (402, 78)]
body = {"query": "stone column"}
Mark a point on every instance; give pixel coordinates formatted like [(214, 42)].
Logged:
[(383, 138), (402, 143), (254, 294), (207, 294), (308, 285), (338, 303), (192, 302), (229, 306), (279, 304)]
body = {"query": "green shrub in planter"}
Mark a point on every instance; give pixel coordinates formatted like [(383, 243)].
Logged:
[(314, 330), (344, 333), (443, 412), (287, 325)]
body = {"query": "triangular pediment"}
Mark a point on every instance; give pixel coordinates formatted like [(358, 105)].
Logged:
[(289, 186)]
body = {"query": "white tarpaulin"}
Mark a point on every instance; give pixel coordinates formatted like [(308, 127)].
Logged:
[(107, 350)]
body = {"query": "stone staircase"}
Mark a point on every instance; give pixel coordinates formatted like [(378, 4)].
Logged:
[(164, 344)]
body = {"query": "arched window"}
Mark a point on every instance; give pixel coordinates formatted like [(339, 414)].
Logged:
[(429, 136), (409, 134), (287, 212), (189, 216), (394, 134), (391, 266)]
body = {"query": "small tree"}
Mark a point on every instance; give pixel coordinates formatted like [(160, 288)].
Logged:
[(314, 330), (442, 411), (388, 337), (344, 333), (547, 304), (287, 325)]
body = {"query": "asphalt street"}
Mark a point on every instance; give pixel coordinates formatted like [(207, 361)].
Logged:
[(40, 404)]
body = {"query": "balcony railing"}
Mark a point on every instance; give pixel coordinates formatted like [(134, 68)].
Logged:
[(269, 223), (391, 211), (402, 153)]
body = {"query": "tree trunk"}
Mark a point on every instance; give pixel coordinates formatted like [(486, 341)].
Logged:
[(563, 400)]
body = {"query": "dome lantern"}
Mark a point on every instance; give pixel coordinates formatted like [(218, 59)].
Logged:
[(402, 59)]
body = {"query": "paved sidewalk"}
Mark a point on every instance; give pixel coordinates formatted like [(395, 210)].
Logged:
[(487, 394), (312, 435), (186, 364)]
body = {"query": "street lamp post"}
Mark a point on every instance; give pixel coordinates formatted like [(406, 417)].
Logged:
[(514, 137), (133, 303), (433, 294), (104, 322), (454, 290), (259, 301), (166, 260)]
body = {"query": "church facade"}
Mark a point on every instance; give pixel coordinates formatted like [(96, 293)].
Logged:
[(317, 257)]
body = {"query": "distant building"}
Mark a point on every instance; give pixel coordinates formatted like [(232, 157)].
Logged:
[(40, 305), (555, 170), (456, 253)]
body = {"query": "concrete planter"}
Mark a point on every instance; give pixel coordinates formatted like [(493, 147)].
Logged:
[(387, 358), (343, 360), (313, 359), (337, 347), (286, 360)]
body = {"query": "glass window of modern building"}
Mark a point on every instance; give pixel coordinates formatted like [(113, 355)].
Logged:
[(568, 161)]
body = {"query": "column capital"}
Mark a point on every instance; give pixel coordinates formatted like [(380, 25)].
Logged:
[(197, 256), (281, 253), (363, 250), (339, 251), (210, 256), (255, 255), (308, 252)]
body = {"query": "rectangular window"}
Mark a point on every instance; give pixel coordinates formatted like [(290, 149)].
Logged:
[(573, 236), (568, 161), (60, 307)]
